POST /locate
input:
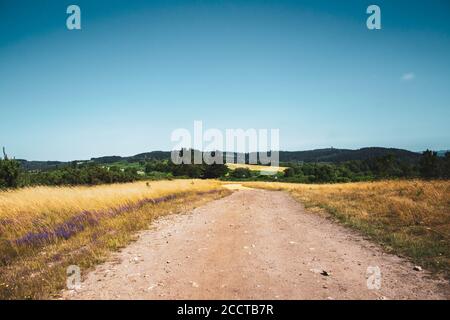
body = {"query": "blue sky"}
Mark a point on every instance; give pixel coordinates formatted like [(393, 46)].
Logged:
[(140, 69)]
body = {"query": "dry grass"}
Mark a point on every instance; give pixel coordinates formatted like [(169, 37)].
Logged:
[(408, 217), (254, 167), (45, 229), (39, 208)]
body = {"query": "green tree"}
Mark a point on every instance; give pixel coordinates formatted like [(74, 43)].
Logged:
[(446, 166), (241, 173), (214, 170), (289, 172), (429, 165), (9, 172)]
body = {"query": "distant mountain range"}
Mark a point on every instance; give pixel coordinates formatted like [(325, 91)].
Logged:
[(317, 155), (339, 155)]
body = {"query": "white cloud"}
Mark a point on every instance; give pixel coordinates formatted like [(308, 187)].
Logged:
[(408, 76)]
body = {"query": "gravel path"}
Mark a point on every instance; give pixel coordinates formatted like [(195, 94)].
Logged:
[(254, 244)]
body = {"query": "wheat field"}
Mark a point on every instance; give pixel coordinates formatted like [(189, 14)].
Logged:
[(254, 167), (45, 229), (32, 208)]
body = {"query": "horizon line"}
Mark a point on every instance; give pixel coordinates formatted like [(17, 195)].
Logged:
[(128, 156)]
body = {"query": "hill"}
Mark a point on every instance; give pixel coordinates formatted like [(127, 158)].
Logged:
[(339, 155), (332, 155), (441, 153), (316, 155)]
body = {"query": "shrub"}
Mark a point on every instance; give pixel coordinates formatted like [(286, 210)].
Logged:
[(9, 172), (241, 173)]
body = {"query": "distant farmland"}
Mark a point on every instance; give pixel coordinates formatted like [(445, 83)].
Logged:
[(254, 167)]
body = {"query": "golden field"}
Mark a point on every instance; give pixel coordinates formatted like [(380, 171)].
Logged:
[(36, 208), (45, 229), (410, 218), (254, 167)]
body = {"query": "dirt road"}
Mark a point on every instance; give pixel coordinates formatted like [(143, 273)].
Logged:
[(254, 244)]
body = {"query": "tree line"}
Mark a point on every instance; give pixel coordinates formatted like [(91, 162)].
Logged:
[(12, 174), (429, 166)]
